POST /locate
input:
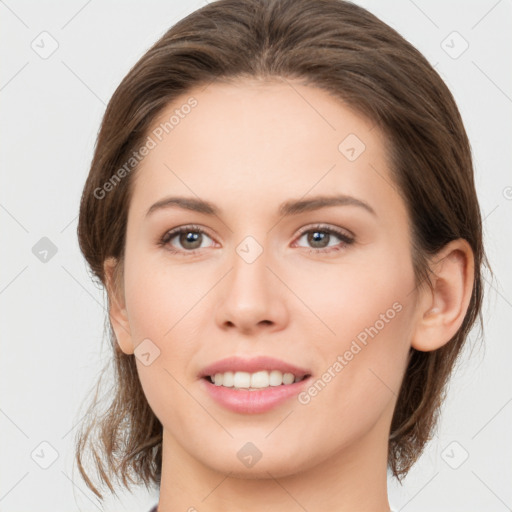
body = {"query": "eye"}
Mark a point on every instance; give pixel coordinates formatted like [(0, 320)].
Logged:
[(190, 238), (320, 237)]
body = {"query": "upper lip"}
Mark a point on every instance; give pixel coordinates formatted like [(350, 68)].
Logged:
[(252, 365)]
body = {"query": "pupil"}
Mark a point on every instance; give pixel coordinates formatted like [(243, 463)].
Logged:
[(318, 236)]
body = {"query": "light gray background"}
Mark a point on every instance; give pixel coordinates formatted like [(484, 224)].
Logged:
[(53, 315)]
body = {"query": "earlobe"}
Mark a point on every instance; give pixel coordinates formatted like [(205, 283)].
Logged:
[(442, 309), (117, 310)]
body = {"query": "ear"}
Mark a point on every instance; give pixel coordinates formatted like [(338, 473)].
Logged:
[(117, 311), (442, 309)]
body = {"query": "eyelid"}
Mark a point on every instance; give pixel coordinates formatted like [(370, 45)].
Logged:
[(327, 227), (189, 227)]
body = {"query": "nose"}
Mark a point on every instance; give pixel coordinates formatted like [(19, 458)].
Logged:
[(252, 298)]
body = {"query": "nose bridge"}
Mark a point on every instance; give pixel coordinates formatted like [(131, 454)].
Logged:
[(249, 277), (252, 295)]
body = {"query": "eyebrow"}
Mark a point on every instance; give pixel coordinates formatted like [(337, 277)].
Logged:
[(288, 208)]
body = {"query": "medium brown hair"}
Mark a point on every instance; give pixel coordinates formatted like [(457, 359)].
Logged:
[(345, 50)]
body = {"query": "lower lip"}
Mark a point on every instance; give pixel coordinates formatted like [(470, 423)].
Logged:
[(252, 402)]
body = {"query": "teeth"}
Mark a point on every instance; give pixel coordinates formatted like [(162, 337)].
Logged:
[(258, 380)]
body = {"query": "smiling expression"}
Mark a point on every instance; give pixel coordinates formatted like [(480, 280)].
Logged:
[(293, 240)]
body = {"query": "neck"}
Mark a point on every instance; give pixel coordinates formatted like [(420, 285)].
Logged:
[(351, 479)]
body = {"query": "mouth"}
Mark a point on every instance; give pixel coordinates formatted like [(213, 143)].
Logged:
[(255, 381), (251, 386), (258, 372), (256, 392), (255, 385)]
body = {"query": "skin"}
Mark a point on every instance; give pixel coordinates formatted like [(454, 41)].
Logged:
[(247, 148)]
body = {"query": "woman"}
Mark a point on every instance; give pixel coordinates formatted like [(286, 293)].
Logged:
[(281, 207)]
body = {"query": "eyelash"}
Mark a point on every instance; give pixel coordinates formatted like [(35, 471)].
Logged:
[(169, 235)]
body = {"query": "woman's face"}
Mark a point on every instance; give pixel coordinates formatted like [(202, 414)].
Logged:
[(272, 272)]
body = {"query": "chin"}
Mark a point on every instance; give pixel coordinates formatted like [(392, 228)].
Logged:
[(265, 463)]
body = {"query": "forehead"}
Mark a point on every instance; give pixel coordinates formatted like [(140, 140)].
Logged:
[(254, 141)]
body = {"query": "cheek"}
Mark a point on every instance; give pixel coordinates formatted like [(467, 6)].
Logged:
[(164, 306), (161, 296), (361, 376), (350, 294), (369, 310), (159, 315)]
